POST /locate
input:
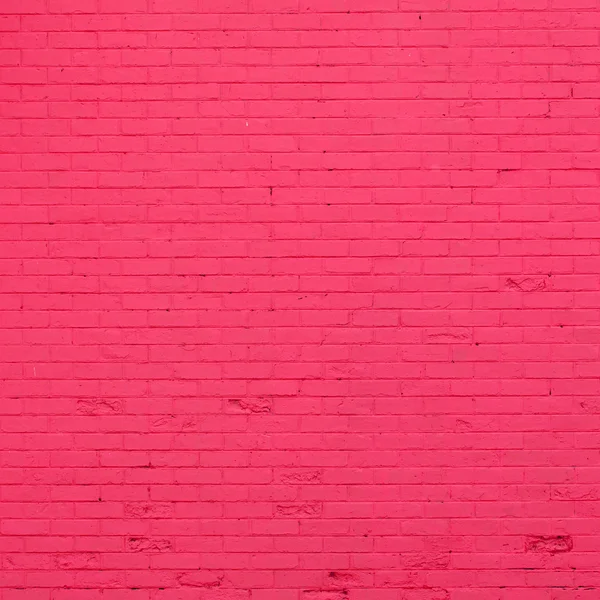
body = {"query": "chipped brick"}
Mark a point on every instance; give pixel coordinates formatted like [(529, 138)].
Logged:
[(527, 284), (575, 492), (144, 544), (100, 406), (301, 477), (346, 579), (77, 561), (425, 560), (302, 509), (251, 405), (148, 510), (200, 579), (551, 544)]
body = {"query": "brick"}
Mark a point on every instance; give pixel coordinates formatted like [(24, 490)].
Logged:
[(27, 7), (72, 6)]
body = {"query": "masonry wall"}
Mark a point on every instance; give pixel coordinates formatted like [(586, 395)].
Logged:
[(300, 300)]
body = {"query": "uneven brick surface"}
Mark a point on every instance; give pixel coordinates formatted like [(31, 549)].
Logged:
[(300, 300)]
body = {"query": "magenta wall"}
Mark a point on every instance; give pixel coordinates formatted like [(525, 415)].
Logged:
[(301, 300)]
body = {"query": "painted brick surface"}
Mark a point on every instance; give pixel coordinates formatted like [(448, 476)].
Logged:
[(300, 300)]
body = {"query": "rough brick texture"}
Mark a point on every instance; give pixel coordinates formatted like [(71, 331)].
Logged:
[(300, 299)]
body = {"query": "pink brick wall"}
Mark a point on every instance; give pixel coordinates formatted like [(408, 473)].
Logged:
[(301, 300)]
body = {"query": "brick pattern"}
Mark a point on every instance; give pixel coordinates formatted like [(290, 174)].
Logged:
[(301, 299)]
